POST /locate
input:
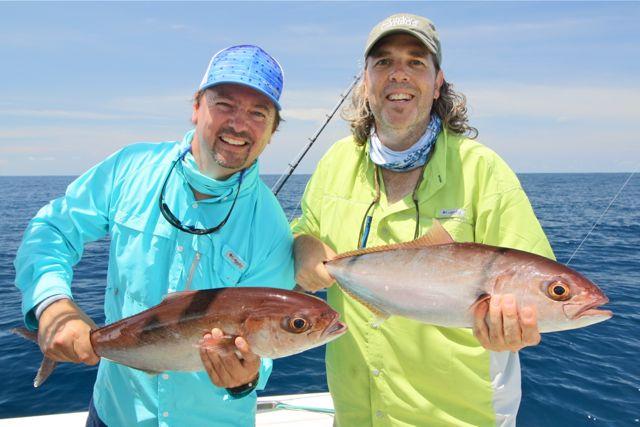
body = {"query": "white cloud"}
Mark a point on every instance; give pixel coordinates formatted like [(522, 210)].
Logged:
[(311, 105), (161, 105), (68, 114), (561, 103), (307, 114), (508, 30), (306, 29), (572, 148), (130, 108)]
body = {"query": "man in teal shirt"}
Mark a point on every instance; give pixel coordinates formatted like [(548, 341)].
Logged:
[(191, 214)]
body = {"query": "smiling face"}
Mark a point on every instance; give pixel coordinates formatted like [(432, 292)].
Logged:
[(234, 124), (401, 83)]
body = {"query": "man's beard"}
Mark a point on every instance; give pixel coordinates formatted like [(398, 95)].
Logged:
[(235, 162)]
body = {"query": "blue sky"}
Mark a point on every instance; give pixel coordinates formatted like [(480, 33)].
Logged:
[(552, 87)]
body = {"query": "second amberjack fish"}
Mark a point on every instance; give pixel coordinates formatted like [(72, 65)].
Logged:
[(437, 281), (275, 322)]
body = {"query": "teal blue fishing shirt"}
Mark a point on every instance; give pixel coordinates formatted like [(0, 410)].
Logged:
[(149, 258)]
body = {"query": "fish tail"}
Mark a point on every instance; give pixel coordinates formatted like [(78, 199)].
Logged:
[(47, 366), (26, 334)]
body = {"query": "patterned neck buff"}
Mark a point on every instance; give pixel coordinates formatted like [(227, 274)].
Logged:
[(411, 158), (205, 184)]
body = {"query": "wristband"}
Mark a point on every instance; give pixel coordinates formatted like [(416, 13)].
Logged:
[(244, 389)]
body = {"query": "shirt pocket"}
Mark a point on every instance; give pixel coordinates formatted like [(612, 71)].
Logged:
[(458, 227), (139, 262), (232, 267)]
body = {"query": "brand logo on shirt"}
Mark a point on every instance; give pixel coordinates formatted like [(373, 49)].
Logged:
[(459, 212), (235, 259)]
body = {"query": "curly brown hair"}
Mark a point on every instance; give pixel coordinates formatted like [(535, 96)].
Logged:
[(450, 106)]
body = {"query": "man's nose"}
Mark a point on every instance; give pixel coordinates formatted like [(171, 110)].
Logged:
[(239, 121), (398, 73)]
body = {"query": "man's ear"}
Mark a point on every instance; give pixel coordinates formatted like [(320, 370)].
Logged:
[(439, 83), (194, 113)]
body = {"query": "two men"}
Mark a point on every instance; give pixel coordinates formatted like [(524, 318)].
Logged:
[(181, 215), (407, 164)]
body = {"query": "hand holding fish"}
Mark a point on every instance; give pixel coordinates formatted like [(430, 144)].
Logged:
[(310, 254), (229, 365), (500, 327), (64, 333)]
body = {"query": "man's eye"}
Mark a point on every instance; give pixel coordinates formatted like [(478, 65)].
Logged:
[(223, 106), (259, 115), (417, 62), (383, 62)]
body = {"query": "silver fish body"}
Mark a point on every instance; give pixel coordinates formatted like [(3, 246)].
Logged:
[(441, 283)]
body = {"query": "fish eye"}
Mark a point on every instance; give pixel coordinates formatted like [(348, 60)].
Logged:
[(558, 291), (297, 324)]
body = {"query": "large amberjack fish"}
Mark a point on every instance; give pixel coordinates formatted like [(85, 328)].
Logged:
[(438, 281), (275, 322)]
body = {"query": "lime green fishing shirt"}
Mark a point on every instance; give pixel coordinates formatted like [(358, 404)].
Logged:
[(405, 373)]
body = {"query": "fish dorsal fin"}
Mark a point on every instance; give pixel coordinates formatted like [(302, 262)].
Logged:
[(437, 235), (176, 295)]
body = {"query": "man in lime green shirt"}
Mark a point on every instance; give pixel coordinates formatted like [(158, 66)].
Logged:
[(412, 159)]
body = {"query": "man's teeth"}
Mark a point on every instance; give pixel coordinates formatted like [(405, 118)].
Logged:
[(233, 141), (400, 97)]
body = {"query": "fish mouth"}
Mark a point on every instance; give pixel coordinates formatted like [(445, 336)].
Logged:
[(335, 329), (592, 310)]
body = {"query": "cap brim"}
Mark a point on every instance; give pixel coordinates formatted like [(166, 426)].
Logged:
[(418, 36), (256, 88)]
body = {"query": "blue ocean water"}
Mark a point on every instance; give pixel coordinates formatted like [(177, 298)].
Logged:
[(589, 376)]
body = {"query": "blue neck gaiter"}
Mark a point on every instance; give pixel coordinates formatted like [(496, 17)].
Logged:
[(411, 158)]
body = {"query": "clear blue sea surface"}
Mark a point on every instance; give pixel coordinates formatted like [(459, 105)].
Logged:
[(589, 376)]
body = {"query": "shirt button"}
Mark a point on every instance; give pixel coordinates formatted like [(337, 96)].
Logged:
[(374, 325), (165, 414), (379, 414), (194, 205), (375, 372), (180, 248), (165, 376)]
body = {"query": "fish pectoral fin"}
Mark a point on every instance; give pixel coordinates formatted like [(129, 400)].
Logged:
[(379, 313), (481, 299)]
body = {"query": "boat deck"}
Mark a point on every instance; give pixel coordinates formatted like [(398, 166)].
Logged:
[(273, 411)]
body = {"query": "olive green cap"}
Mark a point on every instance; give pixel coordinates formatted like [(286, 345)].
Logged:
[(417, 26)]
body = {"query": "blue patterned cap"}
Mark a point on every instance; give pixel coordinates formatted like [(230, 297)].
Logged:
[(247, 65)]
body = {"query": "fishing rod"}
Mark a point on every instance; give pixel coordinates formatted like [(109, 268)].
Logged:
[(595, 224), (292, 166)]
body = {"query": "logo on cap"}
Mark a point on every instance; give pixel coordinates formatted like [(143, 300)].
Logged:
[(395, 21)]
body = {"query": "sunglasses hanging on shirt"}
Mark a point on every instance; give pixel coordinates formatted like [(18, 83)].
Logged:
[(365, 225), (171, 218)]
